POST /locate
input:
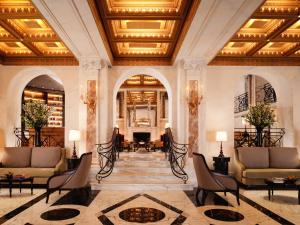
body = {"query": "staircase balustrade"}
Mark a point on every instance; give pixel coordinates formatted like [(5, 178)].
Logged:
[(107, 155), (177, 155)]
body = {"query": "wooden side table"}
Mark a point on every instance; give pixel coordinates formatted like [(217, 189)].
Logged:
[(73, 163), (221, 164)]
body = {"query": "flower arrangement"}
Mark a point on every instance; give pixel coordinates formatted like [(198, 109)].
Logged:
[(36, 114), (260, 116)]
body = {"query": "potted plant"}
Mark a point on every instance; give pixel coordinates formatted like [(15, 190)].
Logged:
[(260, 116), (36, 114)]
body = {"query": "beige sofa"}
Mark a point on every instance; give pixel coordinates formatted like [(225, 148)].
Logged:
[(254, 164), (39, 162)]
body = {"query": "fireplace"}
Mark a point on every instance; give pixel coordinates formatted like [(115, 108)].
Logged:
[(141, 136)]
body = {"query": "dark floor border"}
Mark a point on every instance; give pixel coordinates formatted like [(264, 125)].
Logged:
[(21, 208), (266, 211)]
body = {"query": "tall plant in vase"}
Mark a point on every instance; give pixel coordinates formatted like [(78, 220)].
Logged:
[(36, 116), (260, 116)]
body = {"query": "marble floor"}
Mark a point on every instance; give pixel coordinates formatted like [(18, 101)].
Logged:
[(157, 207)]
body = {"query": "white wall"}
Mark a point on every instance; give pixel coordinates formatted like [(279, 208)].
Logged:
[(218, 103), (15, 78)]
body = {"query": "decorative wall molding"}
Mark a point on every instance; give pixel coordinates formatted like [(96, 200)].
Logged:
[(193, 64), (89, 64)]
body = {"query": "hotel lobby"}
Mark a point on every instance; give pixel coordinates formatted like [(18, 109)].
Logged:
[(159, 112)]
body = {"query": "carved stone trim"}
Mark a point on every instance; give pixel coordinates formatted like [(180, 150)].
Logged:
[(193, 64), (91, 64)]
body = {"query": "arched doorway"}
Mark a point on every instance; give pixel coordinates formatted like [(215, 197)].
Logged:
[(49, 91), (252, 90), (141, 108), (146, 71)]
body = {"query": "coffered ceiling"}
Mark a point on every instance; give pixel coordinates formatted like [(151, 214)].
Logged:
[(143, 31), (27, 39), (141, 89), (142, 81), (270, 37)]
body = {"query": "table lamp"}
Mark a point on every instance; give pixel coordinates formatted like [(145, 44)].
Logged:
[(74, 135), (221, 136)]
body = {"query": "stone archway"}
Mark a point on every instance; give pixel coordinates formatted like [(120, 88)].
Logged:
[(146, 71)]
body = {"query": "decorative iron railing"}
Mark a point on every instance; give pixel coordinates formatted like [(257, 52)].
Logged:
[(107, 155), (241, 103), (23, 138), (177, 155), (271, 137), (266, 94)]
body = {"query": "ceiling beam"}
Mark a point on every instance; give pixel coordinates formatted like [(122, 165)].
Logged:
[(20, 38), (20, 15), (272, 36), (143, 17), (255, 61), (33, 61), (272, 15), (292, 50), (134, 39)]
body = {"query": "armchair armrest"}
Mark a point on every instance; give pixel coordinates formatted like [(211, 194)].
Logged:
[(61, 165), (238, 166), (227, 181)]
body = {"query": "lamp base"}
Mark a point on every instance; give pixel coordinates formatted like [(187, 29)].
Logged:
[(74, 155)]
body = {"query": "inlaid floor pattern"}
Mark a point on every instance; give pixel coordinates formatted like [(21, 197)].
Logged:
[(142, 170)]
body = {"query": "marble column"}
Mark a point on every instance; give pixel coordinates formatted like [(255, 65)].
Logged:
[(193, 69), (91, 115), (89, 81)]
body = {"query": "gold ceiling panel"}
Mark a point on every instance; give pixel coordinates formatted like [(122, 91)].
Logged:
[(26, 37), (275, 48), (292, 31), (52, 48), (143, 28), (31, 27), (144, 5), (14, 49), (142, 81), (279, 6), (143, 32), (259, 27), (4, 33), (237, 48), (271, 36), (140, 48)]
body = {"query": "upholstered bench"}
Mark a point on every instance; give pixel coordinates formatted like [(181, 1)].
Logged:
[(254, 164), (39, 162)]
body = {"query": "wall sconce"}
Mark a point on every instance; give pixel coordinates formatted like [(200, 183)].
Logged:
[(89, 101), (193, 97)]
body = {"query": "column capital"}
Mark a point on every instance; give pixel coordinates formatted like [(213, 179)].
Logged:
[(193, 64), (91, 63)]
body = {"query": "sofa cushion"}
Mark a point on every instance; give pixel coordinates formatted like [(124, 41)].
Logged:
[(284, 158), (46, 157), (16, 157), (254, 157), (29, 171), (270, 172)]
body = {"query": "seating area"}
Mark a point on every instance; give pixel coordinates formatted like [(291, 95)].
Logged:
[(156, 112), (38, 162), (255, 164)]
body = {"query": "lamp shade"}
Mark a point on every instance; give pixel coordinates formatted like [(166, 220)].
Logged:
[(74, 135), (167, 125), (221, 136), (244, 121)]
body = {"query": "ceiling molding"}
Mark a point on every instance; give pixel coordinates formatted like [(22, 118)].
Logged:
[(26, 34), (143, 35), (269, 36), (255, 61)]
